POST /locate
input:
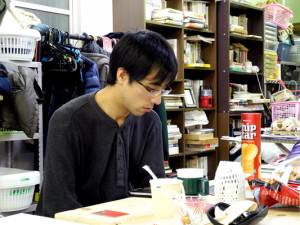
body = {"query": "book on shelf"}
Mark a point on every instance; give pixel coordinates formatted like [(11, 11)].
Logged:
[(173, 150), (204, 146), (202, 141), (194, 38), (237, 29), (168, 21), (173, 141), (193, 25), (173, 95), (201, 148), (193, 20), (197, 162), (167, 10), (192, 53), (168, 169), (172, 136), (173, 102), (169, 13), (173, 145), (173, 44), (202, 131), (173, 129), (239, 23), (204, 65), (193, 15), (199, 136), (150, 5), (191, 123), (173, 105)]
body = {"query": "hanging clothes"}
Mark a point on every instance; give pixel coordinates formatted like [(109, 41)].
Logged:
[(66, 74), (19, 110), (102, 63)]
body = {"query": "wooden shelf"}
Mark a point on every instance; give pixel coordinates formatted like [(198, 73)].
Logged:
[(255, 26), (244, 7), (238, 113), (153, 24), (204, 109), (241, 37), (199, 68), (207, 32), (129, 15), (200, 153), (244, 73)]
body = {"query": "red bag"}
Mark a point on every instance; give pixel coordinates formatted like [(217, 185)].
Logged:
[(270, 191)]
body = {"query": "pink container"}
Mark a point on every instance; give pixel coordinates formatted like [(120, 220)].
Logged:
[(283, 110), (277, 14)]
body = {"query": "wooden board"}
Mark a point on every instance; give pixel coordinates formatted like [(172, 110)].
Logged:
[(202, 142), (139, 209), (199, 136), (141, 213)]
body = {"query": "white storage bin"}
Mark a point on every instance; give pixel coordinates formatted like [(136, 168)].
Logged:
[(270, 38), (271, 45), (18, 44), (17, 188)]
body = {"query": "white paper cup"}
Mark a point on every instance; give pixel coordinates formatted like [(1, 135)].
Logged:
[(190, 172), (164, 207)]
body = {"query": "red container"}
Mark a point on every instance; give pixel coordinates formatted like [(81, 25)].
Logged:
[(205, 97), (251, 139), (206, 102)]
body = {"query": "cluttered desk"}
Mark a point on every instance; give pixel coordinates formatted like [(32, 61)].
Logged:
[(139, 211)]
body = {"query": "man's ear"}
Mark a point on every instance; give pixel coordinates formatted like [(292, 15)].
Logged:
[(122, 75)]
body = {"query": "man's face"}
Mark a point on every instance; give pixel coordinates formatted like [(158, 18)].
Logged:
[(136, 98)]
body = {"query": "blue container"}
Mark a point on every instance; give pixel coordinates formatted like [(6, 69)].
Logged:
[(283, 52)]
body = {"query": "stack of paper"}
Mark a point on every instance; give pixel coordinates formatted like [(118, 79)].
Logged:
[(168, 16), (174, 135)]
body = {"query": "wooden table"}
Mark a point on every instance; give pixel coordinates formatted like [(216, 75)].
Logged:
[(140, 212)]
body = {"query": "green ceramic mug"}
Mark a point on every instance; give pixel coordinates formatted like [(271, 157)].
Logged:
[(193, 181)]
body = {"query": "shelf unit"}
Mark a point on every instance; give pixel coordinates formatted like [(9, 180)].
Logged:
[(255, 26), (130, 15), (10, 138)]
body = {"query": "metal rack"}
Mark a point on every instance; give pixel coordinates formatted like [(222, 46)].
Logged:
[(10, 138)]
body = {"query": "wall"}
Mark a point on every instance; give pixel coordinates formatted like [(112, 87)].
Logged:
[(295, 7), (261, 1), (96, 17)]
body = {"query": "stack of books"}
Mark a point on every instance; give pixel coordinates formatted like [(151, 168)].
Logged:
[(173, 101), (195, 14), (168, 16), (167, 167), (174, 135), (247, 104), (150, 5), (192, 50), (238, 54), (201, 140), (195, 161), (173, 44), (238, 24)]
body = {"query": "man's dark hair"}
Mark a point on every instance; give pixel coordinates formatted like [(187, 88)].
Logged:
[(140, 53)]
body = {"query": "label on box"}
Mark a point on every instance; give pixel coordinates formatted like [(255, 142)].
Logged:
[(110, 213)]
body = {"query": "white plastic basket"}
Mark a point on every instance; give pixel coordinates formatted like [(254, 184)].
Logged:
[(19, 44), (230, 182), (17, 188)]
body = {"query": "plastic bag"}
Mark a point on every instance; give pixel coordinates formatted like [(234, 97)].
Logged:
[(270, 192)]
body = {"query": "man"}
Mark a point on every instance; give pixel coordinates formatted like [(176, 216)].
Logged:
[(98, 143)]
